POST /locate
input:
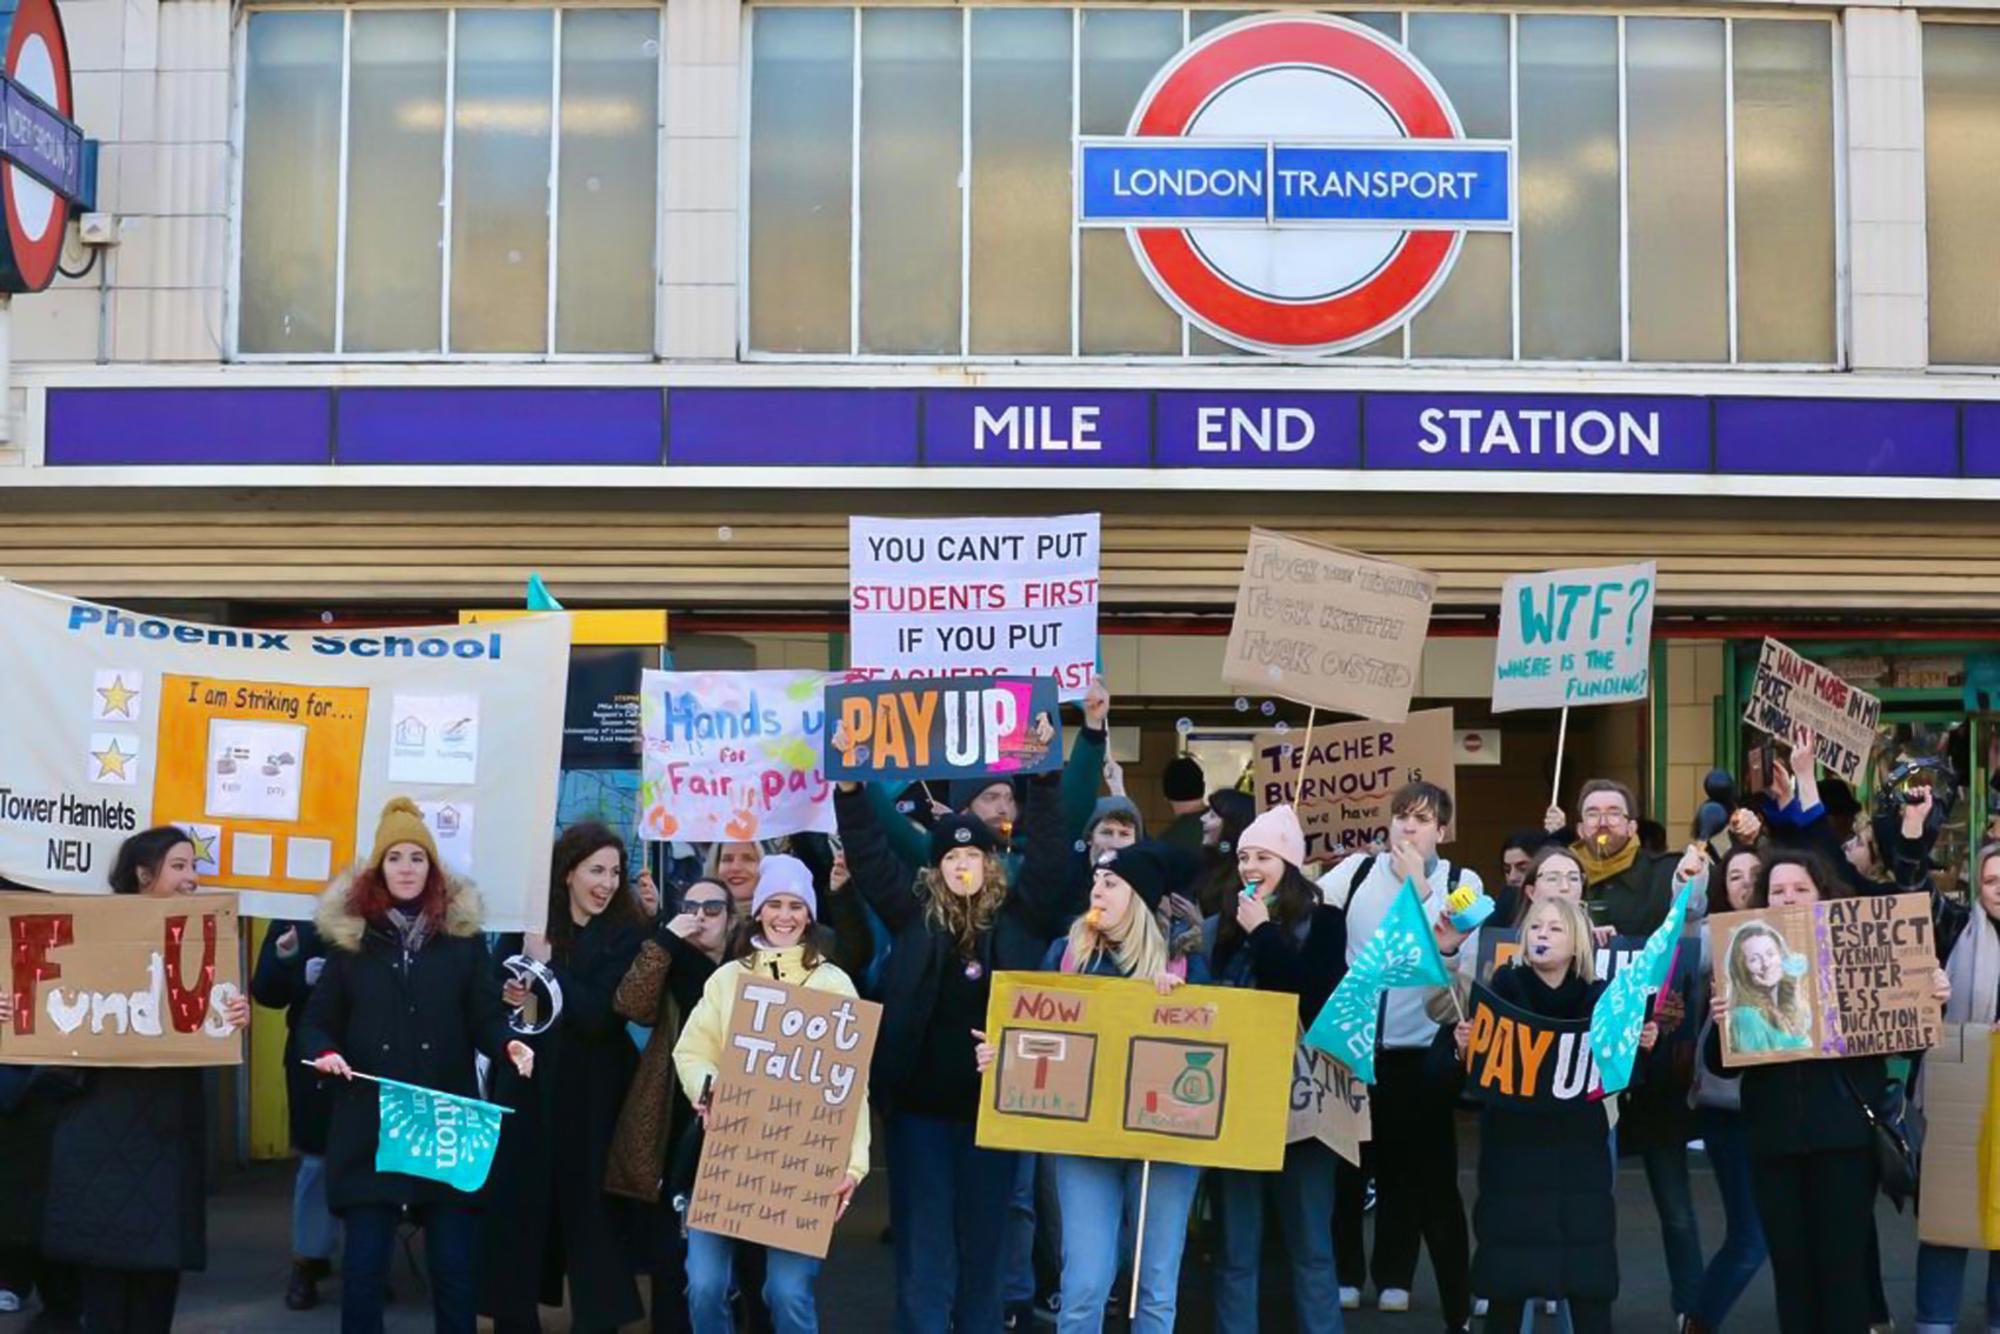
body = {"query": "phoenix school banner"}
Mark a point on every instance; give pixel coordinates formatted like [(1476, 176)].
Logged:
[(1574, 637), (1843, 977), (1401, 953), (1789, 693), (1343, 794), (1109, 1068), (120, 980), (1958, 1198), (1327, 627), (975, 597), (898, 731), (275, 749), (1520, 1057), (790, 1092), (1329, 1104), (733, 756)]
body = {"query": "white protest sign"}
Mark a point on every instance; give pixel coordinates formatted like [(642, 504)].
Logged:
[(733, 756), (1791, 692), (975, 597), (275, 749), (1574, 637)]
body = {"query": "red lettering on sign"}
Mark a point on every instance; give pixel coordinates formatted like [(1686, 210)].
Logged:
[(187, 1005), (34, 935)]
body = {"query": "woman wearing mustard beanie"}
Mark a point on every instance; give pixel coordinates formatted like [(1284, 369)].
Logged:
[(408, 993)]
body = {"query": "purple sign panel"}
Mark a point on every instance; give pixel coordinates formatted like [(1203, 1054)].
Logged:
[(1836, 437), (981, 428), (240, 427), (792, 427), (500, 426), (1200, 429), (1536, 433), (1982, 440)]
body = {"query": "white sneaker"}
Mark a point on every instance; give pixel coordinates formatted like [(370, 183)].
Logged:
[(1479, 1306), (1393, 1300), (10, 1301), (1550, 1308), (1350, 1299)]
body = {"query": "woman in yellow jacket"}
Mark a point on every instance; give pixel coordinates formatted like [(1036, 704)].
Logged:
[(780, 945)]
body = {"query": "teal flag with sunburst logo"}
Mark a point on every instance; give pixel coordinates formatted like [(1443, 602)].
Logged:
[(440, 1136)]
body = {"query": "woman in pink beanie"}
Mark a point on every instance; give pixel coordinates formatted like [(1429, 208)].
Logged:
[(1278, 935)]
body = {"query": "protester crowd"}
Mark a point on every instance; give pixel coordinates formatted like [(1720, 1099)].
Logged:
[(917, 902)]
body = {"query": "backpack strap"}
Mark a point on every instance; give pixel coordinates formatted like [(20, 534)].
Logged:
[(1451, 879), (1354, 881)]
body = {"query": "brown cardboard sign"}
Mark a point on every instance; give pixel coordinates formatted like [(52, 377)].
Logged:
[(1790, 693), (1327, 627), (1329, 1104), (1958, 1198), (790, 1094), (120, 979), (1836, 978), (1343, 794)]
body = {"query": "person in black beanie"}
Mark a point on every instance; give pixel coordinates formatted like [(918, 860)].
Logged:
[(1186, 791)]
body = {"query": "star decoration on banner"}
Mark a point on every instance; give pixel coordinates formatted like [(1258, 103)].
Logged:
[(117, 697), (111, 761), (204, 845)]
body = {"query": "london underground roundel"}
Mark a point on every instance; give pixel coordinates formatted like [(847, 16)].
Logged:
[(1297, 184), (41, 148)]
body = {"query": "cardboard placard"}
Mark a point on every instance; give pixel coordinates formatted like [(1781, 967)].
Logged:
[(975, 597), (899, 731), (1328, 627), (1109, 1068), (1841, 977), (1958, 1196), (790, 1092), (1329, 1104), (1574, 637), (1526, 1059), (121, 979), (1343, 794), (733, 756), (1790, 692)]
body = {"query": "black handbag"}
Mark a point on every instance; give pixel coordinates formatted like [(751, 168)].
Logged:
[(1896, 1165)]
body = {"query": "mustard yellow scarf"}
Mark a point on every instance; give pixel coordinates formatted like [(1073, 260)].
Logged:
[(1596, 869)]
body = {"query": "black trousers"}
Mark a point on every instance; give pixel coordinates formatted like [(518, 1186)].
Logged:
[(1416, 1183), (1584, 1317), (129, 1301), (1818, 1211), (1350, 1210)]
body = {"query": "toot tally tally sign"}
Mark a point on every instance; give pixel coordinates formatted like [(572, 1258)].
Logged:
[(789, 1096), (733, 756), (1574, 637), (120, 979), (1107, 1067), (1518, 1056), (1298, 184), (962, 728), (1342, 790), (975, 597), (275, 749)]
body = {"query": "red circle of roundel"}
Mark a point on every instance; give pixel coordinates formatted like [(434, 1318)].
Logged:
[(34, 261), (1343, 320)]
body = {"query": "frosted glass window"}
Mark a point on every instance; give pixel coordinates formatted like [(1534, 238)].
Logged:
[(1569, 187), (1784, 191), (500, 181), (1677, 189), (1473, 314), (1962, 166), (291, 182), (1121, 51), (912, 107), (609, 124), (1020, 181), (801, 178), (395, 182)]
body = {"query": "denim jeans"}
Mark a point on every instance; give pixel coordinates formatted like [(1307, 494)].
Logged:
[(948, 1210), (1941, 1283), (1305, 1215), (788, 1286), (1020, 1281), (450, 1237), (1673, 1198), (1094, 1194), (1742, 1252), (314, 1230)]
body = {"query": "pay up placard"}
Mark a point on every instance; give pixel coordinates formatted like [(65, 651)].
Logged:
[(1342, 789), (1791, 692), (1574, 637), (1107, 1067), (790, 1093), (120, 979), (1841, 977), (963, 727), (1519, 1057), (1330, 628)]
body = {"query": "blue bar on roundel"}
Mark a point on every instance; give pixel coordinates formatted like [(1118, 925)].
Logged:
[(1402, 185), (1184, 181)]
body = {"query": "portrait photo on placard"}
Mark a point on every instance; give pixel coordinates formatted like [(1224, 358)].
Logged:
[(1767, 981)]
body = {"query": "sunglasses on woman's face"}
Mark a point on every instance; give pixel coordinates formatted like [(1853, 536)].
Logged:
[(707, 907)]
